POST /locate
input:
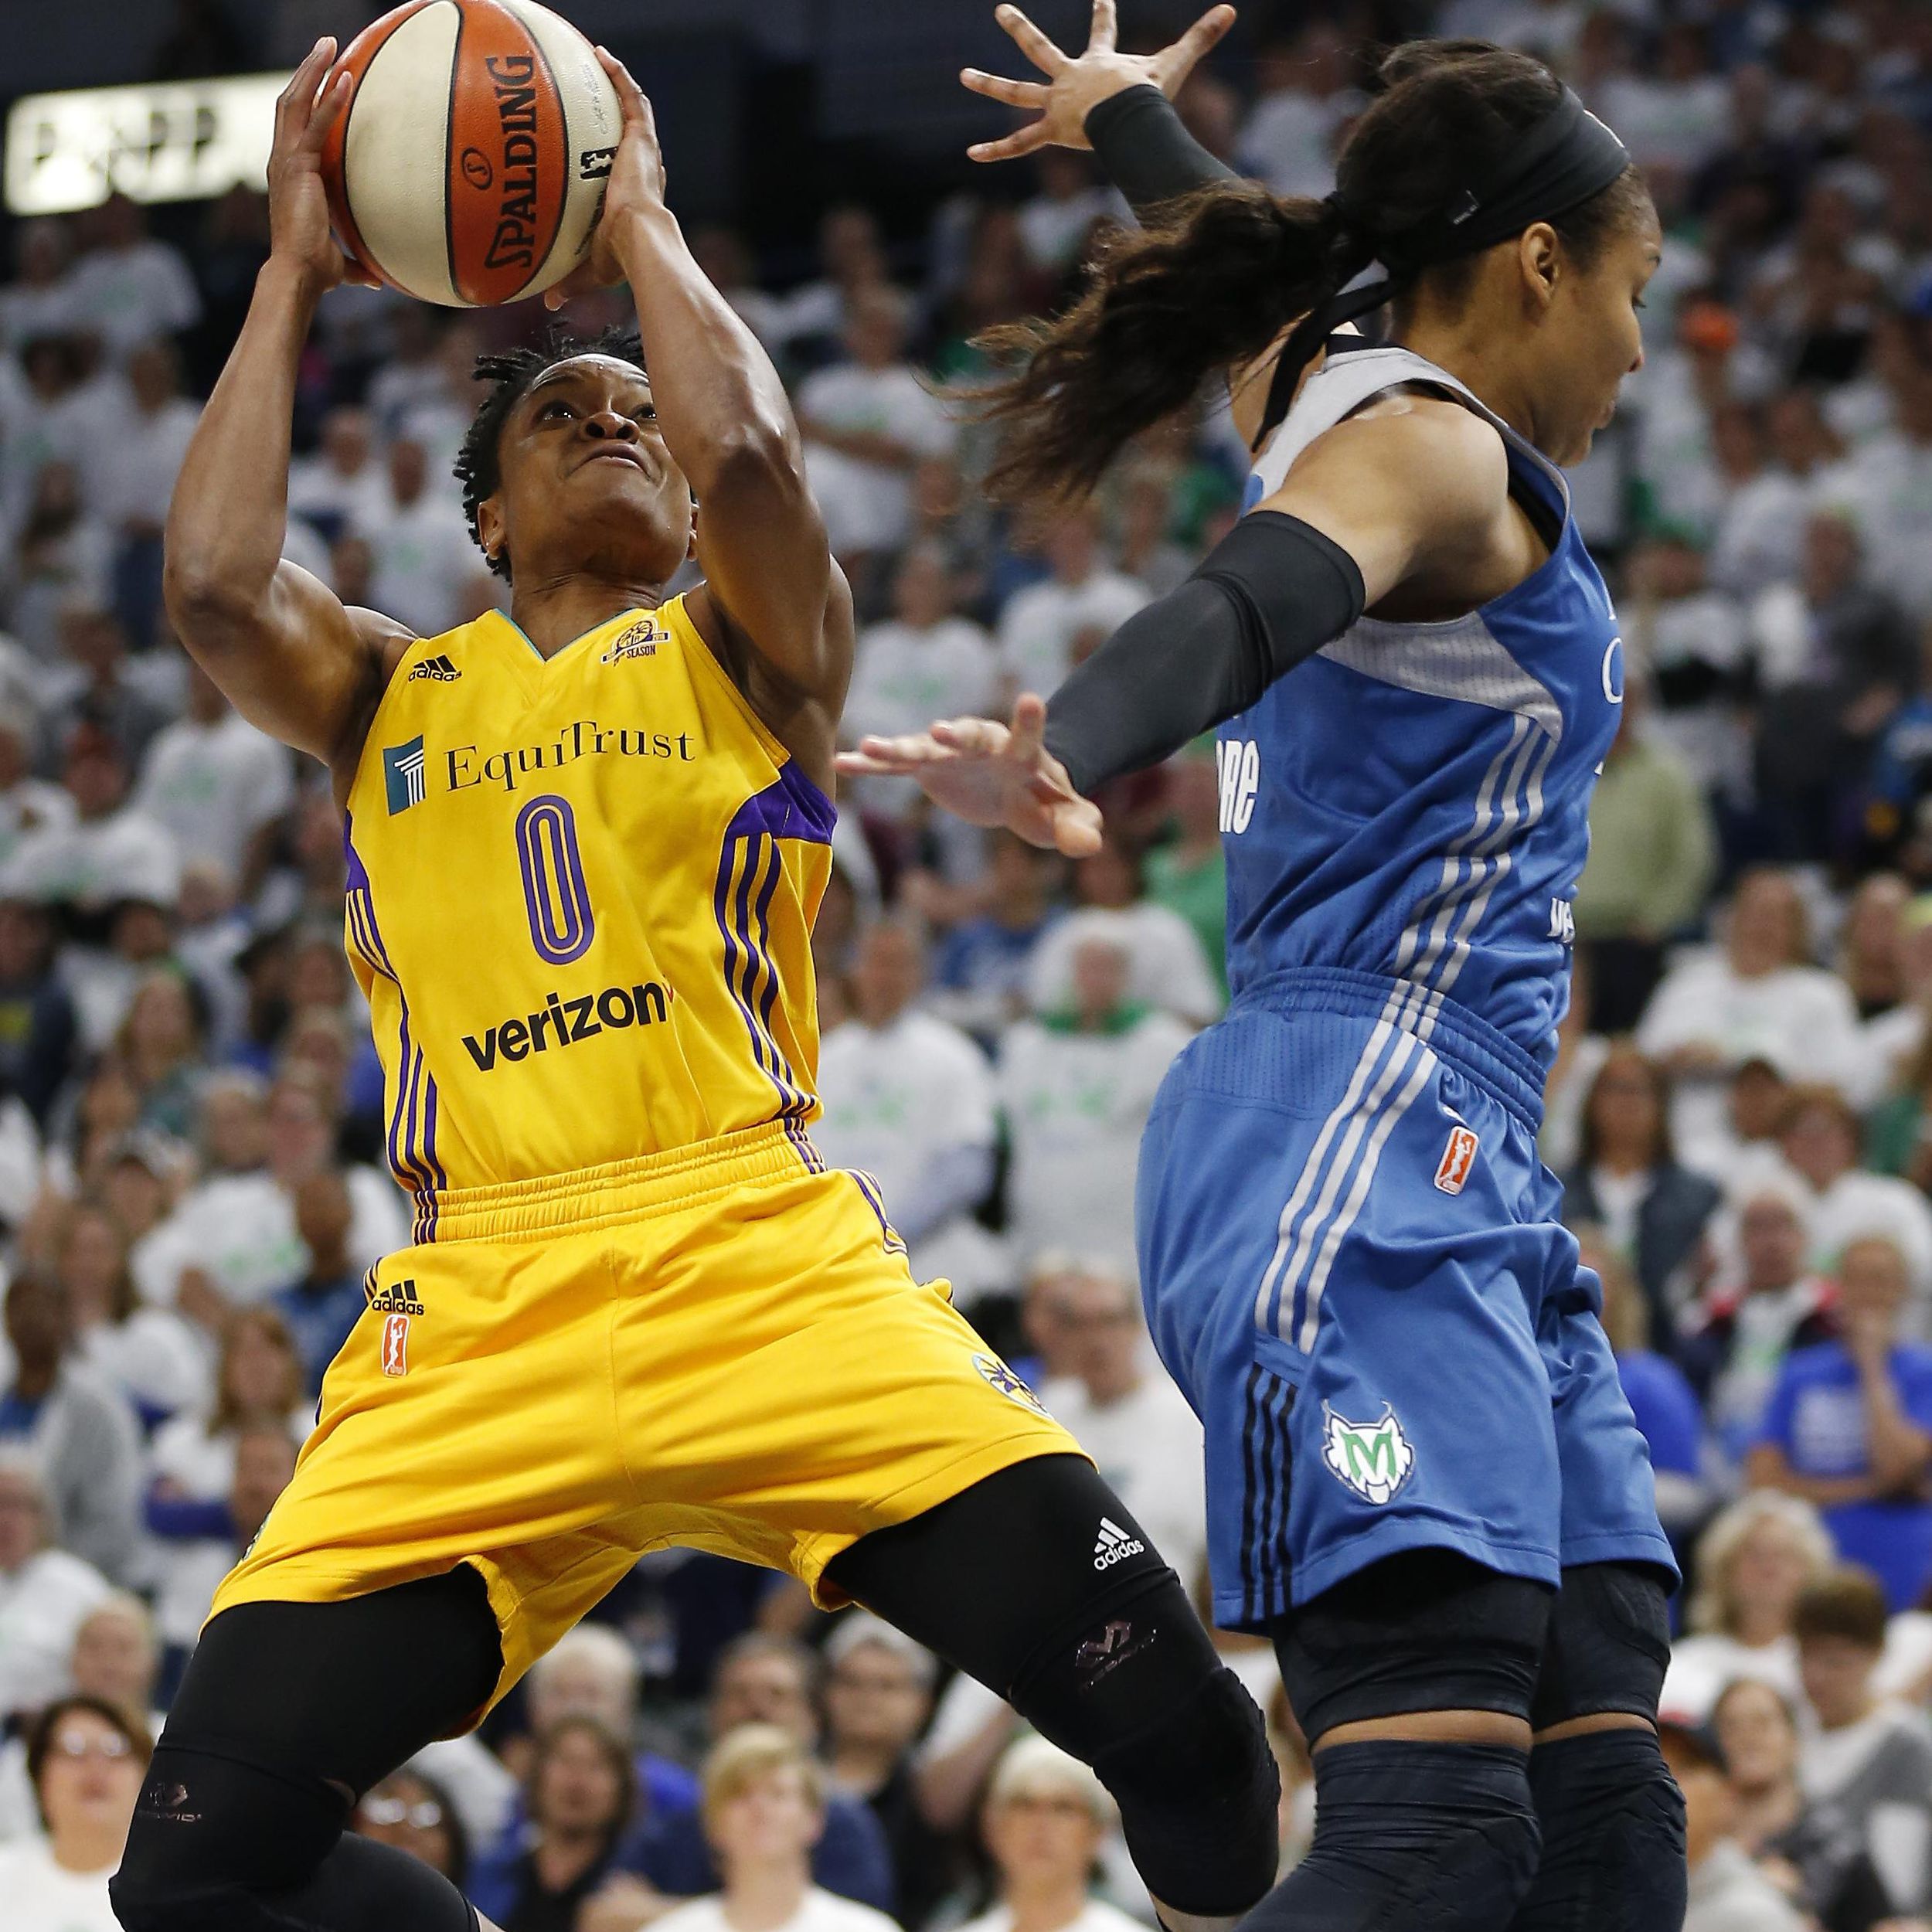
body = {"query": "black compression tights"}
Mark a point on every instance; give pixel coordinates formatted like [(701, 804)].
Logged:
[(288, 1712)]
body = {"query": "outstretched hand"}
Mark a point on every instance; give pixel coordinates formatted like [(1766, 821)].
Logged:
[(1076, 84), (990, 774)]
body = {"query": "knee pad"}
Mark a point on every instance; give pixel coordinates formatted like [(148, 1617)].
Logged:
[(1426, 1630), (1409, 1836), (1608, 1645), (1612, 1820), (217, 1846), (208, 1832), (1139, 1693)]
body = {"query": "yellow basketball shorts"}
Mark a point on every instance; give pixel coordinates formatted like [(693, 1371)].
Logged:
[(715, 1348)]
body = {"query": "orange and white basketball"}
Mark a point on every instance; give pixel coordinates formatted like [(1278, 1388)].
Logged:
[(468, 165)]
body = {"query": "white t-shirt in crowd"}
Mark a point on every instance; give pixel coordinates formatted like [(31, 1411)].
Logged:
[(32, 805), (131, 478), (819, 1911), (214, 786), (1075, 1104), (1889, 483), (1149, 1449), (240, 1228), (1052, 229), (428, 571), (1039, 626), (43, 1603), (43, 1897), (1169, 970), (1858, 1203), (354, 500), (904, 677), (156, 1359), (868, 506), (1288, 139), (129, 295), (897, 1099), (1801, 1016), (199, 1464), (1098, 1916), (92, 863), (1702, 1664)]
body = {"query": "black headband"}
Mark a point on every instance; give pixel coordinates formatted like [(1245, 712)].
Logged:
[(1561, 161)]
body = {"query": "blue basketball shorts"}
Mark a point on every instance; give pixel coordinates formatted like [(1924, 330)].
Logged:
[(1352, 1266)]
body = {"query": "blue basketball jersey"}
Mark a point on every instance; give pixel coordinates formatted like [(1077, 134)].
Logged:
[(1350, 1252), (1412, 802)]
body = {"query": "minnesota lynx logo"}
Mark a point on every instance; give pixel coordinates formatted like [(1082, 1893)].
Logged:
[(1374, 1459)]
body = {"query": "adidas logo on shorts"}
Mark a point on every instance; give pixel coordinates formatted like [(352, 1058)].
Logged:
[(1115, 1546), (438, 667)]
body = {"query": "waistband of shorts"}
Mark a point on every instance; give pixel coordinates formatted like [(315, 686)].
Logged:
[(1470, 1044), (632, 1190)]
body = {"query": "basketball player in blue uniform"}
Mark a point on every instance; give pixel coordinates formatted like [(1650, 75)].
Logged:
[(1424, 1481)]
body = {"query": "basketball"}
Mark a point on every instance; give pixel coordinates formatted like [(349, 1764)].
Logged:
[(468, 165)]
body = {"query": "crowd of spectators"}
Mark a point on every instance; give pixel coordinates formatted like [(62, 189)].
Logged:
[(190, 1106)]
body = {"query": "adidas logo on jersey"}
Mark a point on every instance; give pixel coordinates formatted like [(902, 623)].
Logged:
[(1115, 1546), (438, 667), (398, 1299)]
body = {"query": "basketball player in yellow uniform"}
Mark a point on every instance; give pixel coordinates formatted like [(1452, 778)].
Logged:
[(585, 842)]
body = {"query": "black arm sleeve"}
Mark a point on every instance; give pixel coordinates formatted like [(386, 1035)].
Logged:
[(1272, 592), (1149, 155)]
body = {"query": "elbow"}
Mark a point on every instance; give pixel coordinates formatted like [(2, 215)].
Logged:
[(202, 598), (760, 453)]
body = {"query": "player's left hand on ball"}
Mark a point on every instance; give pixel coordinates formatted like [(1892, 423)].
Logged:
[(990, 774), (636, 187)]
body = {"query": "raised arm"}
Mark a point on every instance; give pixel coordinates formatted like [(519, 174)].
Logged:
[(289, 657), (1118, 105), (1411, 494), (768, 576)]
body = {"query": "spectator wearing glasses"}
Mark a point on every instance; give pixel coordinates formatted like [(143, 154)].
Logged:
[(414, 1814), (86, 1759), (879, 1693)]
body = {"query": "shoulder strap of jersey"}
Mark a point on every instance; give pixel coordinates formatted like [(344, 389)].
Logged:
[(1348, 379)]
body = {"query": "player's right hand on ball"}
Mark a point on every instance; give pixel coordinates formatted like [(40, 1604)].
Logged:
[(1076, 85), (636, 187), (990, 774), (299, 234)]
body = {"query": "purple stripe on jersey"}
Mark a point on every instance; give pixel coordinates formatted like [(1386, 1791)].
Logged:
[(792, 808), (767, 1003), (739, 962)]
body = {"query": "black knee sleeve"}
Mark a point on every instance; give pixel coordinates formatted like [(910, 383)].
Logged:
[(1608, 1644), (217, 1846), (1425, 1630), (1612, 1820), (1408, 1836), (1138, 1691)]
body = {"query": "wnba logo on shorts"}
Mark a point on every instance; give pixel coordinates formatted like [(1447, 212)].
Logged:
[(1458, 1158), (395, 1346)]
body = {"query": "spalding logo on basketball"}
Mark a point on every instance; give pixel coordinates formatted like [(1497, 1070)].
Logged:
[(469, 164)]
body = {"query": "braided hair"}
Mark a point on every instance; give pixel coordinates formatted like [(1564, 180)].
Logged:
[(1220, 273), (511, 371)]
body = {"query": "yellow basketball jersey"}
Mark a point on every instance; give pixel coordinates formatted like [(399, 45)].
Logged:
[(580, 899)]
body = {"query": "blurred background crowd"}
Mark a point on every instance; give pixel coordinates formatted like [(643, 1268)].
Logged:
[(190, 1171)]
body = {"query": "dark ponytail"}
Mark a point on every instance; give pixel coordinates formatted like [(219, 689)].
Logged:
[(1228, 268), (1221, 273)]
